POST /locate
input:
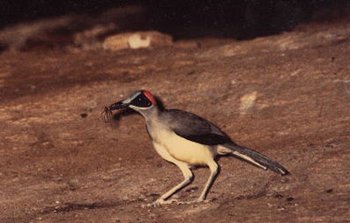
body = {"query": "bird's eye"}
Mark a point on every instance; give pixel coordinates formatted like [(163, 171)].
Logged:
[(141, 101)]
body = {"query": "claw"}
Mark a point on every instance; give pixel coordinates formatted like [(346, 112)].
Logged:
[(205, 201)]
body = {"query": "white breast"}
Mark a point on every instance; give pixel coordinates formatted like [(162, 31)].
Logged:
[(167, 142)]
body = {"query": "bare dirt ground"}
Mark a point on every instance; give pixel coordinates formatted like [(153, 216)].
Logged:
[(287, 96)]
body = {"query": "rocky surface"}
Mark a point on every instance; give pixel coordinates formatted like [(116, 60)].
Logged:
[(287, 96), (137, 40)]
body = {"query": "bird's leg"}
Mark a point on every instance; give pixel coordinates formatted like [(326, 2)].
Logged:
[(188, 175), (214, 170)]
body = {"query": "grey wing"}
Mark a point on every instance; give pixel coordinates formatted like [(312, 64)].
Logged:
[(195, 128)]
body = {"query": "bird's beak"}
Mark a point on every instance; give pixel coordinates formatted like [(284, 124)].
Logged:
[(119, 105)]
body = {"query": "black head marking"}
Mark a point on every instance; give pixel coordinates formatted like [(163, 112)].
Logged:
[(141, 101)]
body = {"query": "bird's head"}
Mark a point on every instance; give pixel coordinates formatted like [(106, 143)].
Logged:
[(139, 101)]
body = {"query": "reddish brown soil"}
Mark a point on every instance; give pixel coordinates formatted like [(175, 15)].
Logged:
[(59, 162)]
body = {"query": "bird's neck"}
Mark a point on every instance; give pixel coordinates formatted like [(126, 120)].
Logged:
[(150, 114)]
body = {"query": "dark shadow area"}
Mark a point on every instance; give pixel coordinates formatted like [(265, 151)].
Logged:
[(18, 11), (69, 207), (237, 19), (188, 19)]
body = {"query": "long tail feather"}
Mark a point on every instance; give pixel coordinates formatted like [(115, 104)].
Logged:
[(256, 158)]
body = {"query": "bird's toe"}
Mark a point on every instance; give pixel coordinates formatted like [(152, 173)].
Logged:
[(160, 202), (201, 200)]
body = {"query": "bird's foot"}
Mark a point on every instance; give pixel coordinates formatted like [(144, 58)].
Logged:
[(159, 202), (201, 200), (197, 201)]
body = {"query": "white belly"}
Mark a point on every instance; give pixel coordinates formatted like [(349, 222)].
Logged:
[(168, 143)]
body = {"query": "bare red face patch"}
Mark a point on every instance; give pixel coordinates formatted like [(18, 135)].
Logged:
[(149, 96)]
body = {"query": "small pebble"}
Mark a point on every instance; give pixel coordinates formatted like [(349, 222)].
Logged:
[(290, 199), (329, 190), (83, 115)]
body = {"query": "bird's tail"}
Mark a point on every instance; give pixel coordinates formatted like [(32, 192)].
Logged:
[(255, 158)]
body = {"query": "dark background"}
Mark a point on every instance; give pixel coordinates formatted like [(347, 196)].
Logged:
[(241, 19)]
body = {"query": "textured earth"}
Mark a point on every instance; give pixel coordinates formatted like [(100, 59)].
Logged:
[(287, 96)]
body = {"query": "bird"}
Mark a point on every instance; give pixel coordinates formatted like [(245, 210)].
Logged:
[(188, 140)]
